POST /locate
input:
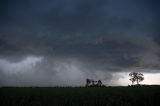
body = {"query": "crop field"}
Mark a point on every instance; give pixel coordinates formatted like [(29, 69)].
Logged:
[(80, 96)]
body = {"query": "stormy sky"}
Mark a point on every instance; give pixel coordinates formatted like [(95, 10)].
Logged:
[(63, 42)]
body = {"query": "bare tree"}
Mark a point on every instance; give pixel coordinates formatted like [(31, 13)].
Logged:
[(136, 77)]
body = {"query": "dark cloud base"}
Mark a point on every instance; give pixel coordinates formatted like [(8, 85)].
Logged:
[(77, 38)]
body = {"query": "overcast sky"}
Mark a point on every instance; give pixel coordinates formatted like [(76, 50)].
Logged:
[(63, 42)]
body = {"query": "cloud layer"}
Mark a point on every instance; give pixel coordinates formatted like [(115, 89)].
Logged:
[(50, 42)]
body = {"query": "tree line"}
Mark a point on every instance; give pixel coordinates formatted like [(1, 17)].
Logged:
[(135, 77)]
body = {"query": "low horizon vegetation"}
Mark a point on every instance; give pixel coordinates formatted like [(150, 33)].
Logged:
[(80, 96)]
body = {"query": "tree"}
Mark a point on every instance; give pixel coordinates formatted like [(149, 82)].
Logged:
[(136, 76), (88, 81), (93, 83), (99, 83)]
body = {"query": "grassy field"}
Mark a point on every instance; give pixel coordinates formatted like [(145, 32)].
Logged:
[(80, 96)]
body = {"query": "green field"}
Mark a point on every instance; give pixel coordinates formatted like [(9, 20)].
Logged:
[(80, 96)]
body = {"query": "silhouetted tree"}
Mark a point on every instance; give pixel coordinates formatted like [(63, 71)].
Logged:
[(135, 76), (99, 83), (88, 82), (93, 83)]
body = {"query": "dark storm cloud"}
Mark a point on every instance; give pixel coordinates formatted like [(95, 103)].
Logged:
[(87, 36)]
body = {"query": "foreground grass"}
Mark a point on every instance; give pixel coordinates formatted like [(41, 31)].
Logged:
[(68, 96)]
